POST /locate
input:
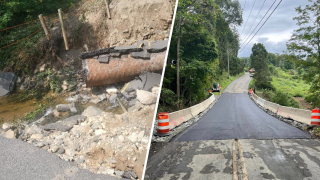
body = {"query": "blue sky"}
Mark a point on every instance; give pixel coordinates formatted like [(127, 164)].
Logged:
[(276, 31)]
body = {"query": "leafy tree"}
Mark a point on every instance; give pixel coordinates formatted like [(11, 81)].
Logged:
[(305, 43), (202, 24), (260, 63)]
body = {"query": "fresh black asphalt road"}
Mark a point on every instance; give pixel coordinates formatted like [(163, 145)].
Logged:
[(234, 140), (236, 116)]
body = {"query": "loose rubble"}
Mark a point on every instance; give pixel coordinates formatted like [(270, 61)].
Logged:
[(102, 142)]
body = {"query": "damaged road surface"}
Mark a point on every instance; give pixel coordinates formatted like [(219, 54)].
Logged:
[(293, 159), (237, 140)]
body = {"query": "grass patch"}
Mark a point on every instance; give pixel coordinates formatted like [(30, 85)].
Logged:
[(286, 85), (30, 116)]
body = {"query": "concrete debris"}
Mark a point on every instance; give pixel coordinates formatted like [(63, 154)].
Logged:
[(145, 81), (158, 46), (112, 90), (65, 125), (7, 82), (6, 126), (146, 97), (104, 58), (92, 111), (11, 134)]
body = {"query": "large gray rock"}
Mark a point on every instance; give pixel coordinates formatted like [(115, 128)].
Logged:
[(92, 111), (146, 97), (7, 81), (62, 107), (65, 125)]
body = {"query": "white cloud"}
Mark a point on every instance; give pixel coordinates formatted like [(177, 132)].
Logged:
[(277, 30)]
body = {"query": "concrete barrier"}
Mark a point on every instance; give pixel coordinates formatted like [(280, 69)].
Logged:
[(255, 97), (196, 109), (178, 117), (271, 106), (301, 115), (206, 103), (261, 101), (212, 98)]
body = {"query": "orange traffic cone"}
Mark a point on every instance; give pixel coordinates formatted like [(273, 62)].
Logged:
[(251, 91)]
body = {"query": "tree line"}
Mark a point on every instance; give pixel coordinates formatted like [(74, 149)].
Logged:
[(204, 37), (302, 55)]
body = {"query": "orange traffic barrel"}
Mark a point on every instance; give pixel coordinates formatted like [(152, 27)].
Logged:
[(209, 91), (163, 124), (315, 116), (251, 91)]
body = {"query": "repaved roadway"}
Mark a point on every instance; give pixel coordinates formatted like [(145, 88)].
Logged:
[(236, 116), (237, 140)]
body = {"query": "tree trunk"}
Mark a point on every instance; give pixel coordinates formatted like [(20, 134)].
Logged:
[(178, 60)]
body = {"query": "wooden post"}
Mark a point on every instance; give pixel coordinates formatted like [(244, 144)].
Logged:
[(44, 26), (63, 30), (107, 6)]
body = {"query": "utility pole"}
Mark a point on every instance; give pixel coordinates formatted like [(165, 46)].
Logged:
[(178, 60), (228, 61)]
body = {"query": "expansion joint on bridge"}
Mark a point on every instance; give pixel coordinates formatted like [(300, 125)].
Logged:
[(239, 167)]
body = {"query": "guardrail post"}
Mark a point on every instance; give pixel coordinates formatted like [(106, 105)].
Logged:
[(44, 26), (63, 30)]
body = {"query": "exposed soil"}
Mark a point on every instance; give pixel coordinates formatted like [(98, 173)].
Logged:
[(303, 104)]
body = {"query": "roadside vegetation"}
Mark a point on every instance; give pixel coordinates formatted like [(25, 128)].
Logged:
[(295, 74), (203, 38)]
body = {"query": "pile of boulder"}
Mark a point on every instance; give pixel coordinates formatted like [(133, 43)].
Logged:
[(102, 142)]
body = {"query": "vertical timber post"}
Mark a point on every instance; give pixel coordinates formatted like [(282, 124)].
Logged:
[(44, 26), (63, 30), (107, 6)]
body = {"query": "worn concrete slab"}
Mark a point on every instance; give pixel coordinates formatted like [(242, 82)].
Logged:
[(158, 46), (192, 160), (293, 159), (7, 81), (104, 58), (144, 54), (144, 81), (20, 160), (66, 124)]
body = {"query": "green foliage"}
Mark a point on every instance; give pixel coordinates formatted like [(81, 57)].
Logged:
[(284, 99), (304, 48), (15, 12), (205, 36), (260, 63), (30, 116)]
